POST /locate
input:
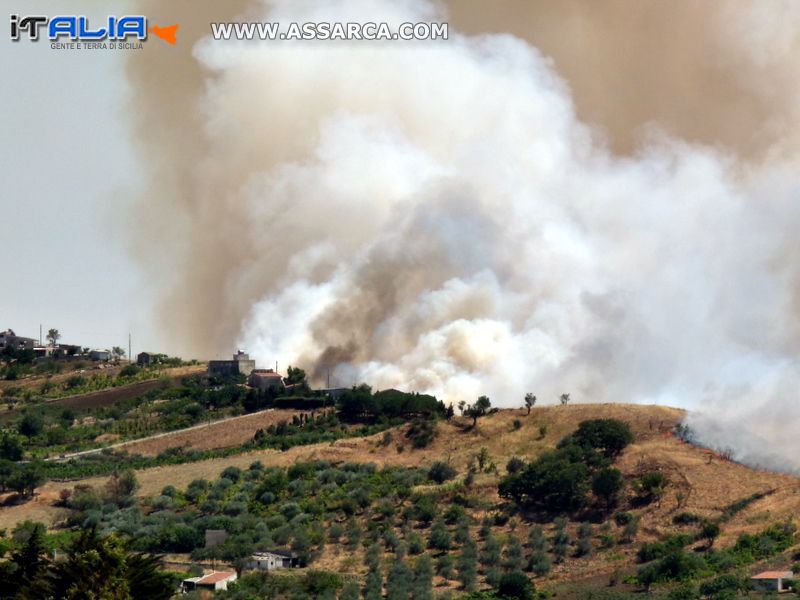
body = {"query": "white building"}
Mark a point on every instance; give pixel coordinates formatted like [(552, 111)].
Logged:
[(217, 580), (268, 560), (103, 355)]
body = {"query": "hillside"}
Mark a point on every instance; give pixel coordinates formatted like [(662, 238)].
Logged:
[(700, 483)]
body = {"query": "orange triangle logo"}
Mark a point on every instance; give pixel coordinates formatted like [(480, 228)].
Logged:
[(165, 33)]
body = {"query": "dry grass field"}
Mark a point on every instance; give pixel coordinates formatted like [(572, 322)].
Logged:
[(220, 434)]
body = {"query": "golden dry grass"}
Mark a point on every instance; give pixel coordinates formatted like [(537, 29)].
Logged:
[(220, 434)]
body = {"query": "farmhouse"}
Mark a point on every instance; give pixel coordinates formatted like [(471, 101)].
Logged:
[(241, 364), (145, 359), (9, 339), (218, 580), (103, 355), (268, 560), (334, 393), (772, 581), (266, 379)]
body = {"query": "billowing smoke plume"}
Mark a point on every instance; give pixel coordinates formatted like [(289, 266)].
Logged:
[(434, 216)]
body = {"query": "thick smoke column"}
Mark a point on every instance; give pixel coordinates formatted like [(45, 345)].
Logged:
[(434, 216)]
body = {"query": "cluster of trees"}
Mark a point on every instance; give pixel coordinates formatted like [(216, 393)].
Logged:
[(302, 507), (304, 428), (560, 480), (20, 478), (361, 402), (410, 536), (311, 584), (477, 409), (94, 566)]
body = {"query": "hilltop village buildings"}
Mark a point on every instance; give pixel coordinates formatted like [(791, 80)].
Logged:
[(261, 379), (9, 340), (242, 364)]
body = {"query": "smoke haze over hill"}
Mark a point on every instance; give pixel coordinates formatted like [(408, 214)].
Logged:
[(455, 217)]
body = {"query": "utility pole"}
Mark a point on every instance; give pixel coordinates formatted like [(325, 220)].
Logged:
[(40, 335), (130, 358)]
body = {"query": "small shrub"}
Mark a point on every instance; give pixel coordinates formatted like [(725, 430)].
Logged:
[(685, 518), (623, 518), (539, 563), (129, 371), (441, 471), (651, 485), (516, 586)]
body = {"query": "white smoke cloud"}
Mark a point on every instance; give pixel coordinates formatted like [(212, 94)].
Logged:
[(433, 216)]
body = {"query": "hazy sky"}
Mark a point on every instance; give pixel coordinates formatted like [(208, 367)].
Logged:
[(68, 171)]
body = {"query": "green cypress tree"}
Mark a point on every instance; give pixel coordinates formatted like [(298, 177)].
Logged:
[(26, 571)]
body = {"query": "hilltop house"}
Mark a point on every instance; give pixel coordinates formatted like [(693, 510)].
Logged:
[(266, 379), (102, 355), (772, 581), (241, 364), (9, 339), (145, 359), (269, 560)]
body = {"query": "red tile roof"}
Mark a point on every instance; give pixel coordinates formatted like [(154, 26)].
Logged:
[(774, 575), (216, 577)]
